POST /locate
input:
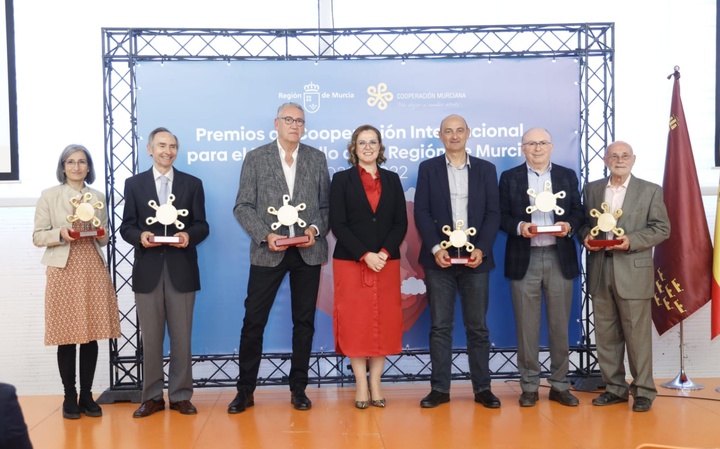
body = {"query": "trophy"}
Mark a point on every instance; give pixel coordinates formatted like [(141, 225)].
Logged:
[(85, 213), (458, 239), (167, 215), (546, 201), (606, 222), (287, 215)]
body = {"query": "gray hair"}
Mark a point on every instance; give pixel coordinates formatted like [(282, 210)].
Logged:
[(161, 129), (290, 104), (70, 149)]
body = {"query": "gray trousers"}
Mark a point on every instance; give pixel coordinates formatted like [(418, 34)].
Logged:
[(622, 324), (544, 275), (165, 305)]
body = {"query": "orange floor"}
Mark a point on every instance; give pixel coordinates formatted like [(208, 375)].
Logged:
[(678, 417)]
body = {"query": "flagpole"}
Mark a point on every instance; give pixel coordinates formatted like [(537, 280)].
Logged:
[(682, 381)]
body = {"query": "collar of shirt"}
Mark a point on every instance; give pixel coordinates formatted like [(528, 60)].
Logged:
[(624, 185), (466, 164), (533, 171), (156, 174), (281, 151)]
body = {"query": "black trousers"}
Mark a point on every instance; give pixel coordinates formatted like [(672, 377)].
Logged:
[(263, 285)]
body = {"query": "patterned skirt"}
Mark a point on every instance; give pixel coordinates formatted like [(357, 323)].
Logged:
[(80, 300)]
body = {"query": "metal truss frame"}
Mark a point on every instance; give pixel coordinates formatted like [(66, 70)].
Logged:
[(591, 44)]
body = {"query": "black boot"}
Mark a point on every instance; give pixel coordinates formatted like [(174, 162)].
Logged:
[(88, 362), (66, 365)]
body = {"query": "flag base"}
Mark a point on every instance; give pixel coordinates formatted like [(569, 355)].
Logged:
[(682, 382)]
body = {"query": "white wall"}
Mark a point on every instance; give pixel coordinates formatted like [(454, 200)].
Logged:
[(59, 82)]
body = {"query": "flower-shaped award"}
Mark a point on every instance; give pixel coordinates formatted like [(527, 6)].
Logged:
[(546, 201), (167, 215), (85, 213), (458, 239), (606, 222), (287, 215)]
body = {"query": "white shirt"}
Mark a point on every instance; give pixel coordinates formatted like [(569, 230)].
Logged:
[(289, 172)]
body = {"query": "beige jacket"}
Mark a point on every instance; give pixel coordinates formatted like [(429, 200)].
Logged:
[(51, 213)]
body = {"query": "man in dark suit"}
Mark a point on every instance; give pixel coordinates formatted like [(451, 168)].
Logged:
[(13, 430), (451, 188), (165, 276), (544, 262), (283, 167), (621, 278)]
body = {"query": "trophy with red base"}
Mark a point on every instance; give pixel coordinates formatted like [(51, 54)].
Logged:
[(546, 201), (85, 213), (287, 215), (167, 215), (606, 222), (458, 239)]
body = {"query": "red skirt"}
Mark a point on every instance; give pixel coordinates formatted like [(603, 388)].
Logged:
[(367, 310)]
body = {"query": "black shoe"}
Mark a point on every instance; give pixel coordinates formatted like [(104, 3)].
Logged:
[(528, 398), (608, 398), (70, 408), (642, 404), (89, 406), (564, 397), (487, 399), (242, 400), (299, 399), (434, 399)]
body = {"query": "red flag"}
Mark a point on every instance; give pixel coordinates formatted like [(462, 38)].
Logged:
[(715, 311), (683, 262)]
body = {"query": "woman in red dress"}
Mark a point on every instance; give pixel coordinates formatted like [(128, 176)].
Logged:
[(369, 221)]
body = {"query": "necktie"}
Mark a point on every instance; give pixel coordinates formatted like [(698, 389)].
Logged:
[(163, 194)]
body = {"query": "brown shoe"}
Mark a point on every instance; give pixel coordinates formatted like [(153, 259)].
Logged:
[(149, 407), (184, 407)]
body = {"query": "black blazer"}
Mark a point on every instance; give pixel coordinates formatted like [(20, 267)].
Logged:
[(513, 202), (13, 430), (182, 262), (355, 226), (433, 208)]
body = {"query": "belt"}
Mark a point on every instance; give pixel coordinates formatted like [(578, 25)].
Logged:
[(544, 247)]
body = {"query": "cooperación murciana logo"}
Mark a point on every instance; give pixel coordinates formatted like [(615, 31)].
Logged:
[(379, 96)]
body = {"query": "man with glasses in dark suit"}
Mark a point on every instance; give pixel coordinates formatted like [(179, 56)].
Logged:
[(298, 172), (541, 263)]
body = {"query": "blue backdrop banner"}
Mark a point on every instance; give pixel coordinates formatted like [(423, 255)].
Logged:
[(221, 111)]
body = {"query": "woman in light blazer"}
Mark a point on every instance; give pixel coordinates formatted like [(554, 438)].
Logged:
[(80, 300)]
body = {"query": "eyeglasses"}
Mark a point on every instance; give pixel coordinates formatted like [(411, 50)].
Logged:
[(544, 144), (289, 120), (371, 143), (620, 157), (79, 163)]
